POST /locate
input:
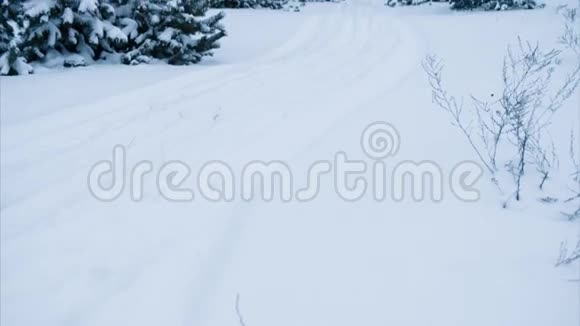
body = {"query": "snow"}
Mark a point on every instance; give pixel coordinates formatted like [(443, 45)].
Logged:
[(67, 16), (90, 6), (38, 7), (130, 27), (114, 33), (296, 87), (20, 65), (167, 34)]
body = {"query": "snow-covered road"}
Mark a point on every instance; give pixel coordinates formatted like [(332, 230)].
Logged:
[(308, 93)]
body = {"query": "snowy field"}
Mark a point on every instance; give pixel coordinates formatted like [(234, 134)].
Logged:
[(300, 89)]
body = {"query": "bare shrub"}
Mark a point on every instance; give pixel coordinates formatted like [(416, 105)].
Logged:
[(567, 256), (518, 120), (571, 36), (575, 180)]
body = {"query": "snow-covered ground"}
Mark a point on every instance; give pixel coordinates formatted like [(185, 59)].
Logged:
[(295, 87)]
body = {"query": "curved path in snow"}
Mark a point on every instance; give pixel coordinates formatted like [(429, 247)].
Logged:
[(71, 260)]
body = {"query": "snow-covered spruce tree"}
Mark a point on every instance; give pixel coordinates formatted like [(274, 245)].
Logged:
[(472, 4), (61, 28), (270, 4), (12, 61), (175, 31), (77, 32), (465, 4), (395, 3), (494, 4)]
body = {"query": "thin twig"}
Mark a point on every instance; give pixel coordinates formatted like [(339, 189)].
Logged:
[(238, 312)]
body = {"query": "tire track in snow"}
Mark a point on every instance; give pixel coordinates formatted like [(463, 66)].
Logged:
[(302, 39), (121, 117), (234, 235), (118, 124), (320, 49)]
